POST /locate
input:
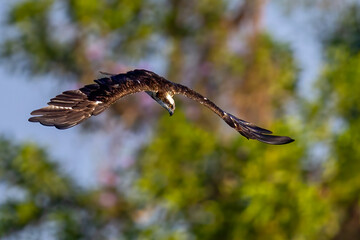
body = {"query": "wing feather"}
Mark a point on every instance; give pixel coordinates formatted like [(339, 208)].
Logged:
[(74, 106), (246, 129)]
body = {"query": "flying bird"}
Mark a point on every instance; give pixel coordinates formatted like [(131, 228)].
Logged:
[(72, 107)]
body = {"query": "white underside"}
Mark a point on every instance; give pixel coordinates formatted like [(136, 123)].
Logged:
[(169, 97)]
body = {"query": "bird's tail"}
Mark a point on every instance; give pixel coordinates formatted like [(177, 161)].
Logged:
[(251, 131)]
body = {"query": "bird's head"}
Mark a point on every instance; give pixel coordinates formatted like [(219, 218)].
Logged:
[(165, 100)]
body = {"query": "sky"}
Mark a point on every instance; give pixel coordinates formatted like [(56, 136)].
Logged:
[(299, 30), (83, 155)]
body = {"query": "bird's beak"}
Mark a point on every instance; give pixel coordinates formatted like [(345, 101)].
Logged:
[(171, 112)]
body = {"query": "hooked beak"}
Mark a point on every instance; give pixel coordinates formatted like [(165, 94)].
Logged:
[(171, 112)]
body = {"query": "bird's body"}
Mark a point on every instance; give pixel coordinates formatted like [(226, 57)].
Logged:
[(72, 107)]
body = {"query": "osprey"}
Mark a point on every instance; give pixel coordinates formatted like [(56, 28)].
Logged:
[(72, 107)]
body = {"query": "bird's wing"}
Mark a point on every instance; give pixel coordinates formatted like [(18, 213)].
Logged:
[(72, 107), (247, 129)]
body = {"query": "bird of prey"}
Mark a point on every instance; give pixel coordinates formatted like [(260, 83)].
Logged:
[(72, 107)]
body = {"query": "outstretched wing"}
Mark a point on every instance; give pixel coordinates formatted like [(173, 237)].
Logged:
[(72, 107), (248, 130)]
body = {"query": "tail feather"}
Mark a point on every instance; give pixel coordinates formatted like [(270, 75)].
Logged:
[(251, 131)]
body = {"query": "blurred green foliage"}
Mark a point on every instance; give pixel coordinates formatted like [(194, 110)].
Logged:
[(45, 195), (223, 190), (190, 181)]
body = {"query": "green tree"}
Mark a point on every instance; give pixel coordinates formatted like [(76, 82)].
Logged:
[(76, 39), (211, 189), (339, 105), (192, 181)]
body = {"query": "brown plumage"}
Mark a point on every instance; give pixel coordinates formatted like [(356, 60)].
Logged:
[(72, 107)]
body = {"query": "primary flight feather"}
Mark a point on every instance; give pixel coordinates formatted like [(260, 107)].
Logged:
[(72, 107)]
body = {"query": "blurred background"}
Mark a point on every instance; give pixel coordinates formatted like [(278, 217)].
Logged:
[(135, 173)]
